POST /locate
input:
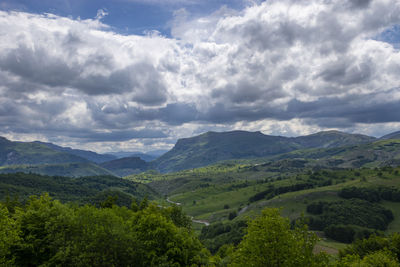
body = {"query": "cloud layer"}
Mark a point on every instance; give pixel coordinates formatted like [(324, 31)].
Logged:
[(295, 66)]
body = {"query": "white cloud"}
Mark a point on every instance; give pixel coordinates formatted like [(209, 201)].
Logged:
[(165, 2), (295, 66)]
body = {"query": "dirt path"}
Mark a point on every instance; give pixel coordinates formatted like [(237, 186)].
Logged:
[(201, 221), (206, 223), (172, 202), (243, 210)]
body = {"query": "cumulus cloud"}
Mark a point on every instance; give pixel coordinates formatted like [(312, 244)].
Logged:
[(305, 64)]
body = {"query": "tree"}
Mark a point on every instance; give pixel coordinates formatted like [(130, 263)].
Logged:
[(381, 258), (9, 236), (364, 247), (270, 241), (49, 233)]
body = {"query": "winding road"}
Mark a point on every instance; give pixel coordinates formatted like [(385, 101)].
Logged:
[(206, 223)]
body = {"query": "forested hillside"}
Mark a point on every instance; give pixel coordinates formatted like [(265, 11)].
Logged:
[(212, 147), (89, 155), (14, 153), (82, 190), (62, 169), (125, 166), (331, 148)]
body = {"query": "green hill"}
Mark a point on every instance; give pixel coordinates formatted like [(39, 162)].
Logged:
[(330, 139), (89, 155), (125, 166), (375, 154), (212, 147), (15, 153), (188, 153), (83, 190), (63, 169), (230, 193)]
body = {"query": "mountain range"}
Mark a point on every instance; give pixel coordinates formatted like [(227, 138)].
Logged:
[(212, 147), (89, 155), (193, 152)]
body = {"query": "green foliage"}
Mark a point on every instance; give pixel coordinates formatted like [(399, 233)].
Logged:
[(364, 247), (219, 234), (234, 185), (16, 153), (109, 197), (61, 169), (177, 216), (232, 215), (9, 236), (272, 191), (92, 189), (372, 194), (125, 166), (382, 258), (45, 232), (348, 233), (49, 233), (348, 212), (270, 241)]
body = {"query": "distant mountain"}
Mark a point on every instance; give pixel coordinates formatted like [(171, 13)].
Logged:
[(395, 135), (125, 166), (212, 147), (89, 155), (143, 156), (16, 153), (329, 139), (197, 151), (148, 156), (62, 169), (375, 154)]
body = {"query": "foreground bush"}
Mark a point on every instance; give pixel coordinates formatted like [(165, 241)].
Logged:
[(47, 232), (270, 241)]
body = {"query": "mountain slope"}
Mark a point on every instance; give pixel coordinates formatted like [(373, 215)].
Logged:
[(212, 147), (125, 166), (329, 139), (375, 154), (148, 156), (14, 153), (87, 189), (394, 135), (89, 155), (62, 169)]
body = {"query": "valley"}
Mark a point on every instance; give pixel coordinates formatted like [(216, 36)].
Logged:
[(229, 179)]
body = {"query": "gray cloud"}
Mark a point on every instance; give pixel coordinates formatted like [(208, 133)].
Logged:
[(115, 136), (346, 73), (344, 112), (178, 113), (276, 62), (37, 66), (360, 3), (41, 68)]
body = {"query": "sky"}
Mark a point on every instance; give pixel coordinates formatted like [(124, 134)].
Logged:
[(136, 75)]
